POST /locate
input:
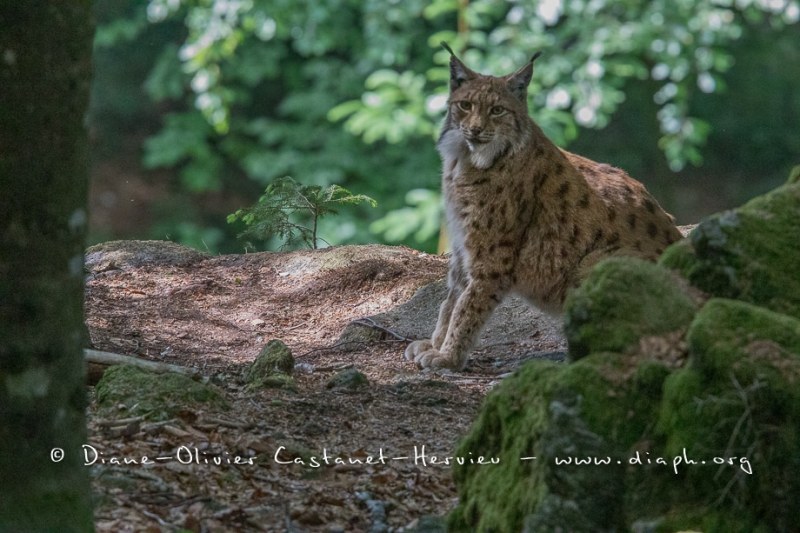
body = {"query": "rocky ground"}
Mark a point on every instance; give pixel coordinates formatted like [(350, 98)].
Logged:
[(336, 309)]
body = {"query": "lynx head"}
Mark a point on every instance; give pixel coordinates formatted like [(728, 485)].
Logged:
[(486, 114)]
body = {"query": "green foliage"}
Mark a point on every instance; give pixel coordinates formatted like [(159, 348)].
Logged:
[(680, 45), (291, 211), (424, 215), (234, 94)]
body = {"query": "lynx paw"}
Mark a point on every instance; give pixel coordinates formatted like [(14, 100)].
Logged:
[(416, 348), (426, 356)]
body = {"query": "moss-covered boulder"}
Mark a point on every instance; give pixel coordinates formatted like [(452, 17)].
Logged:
[(623, 300), (559, 414), (713, 446), (272, 368), (127, 390), (738, 399), (751, 253)]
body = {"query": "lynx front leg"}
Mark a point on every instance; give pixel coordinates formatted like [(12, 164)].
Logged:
[(466, 320), (456, 284), (416, 348)]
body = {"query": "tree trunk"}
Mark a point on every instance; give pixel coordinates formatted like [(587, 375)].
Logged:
[(45, 49)]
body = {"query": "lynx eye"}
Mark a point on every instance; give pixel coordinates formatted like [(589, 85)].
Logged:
[(497, 111), (463, 105)]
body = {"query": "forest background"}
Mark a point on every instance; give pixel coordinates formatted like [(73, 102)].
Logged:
[(198, 105)]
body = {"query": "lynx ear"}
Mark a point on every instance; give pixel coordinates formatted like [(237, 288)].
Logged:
[(518, 82), (459, 73)]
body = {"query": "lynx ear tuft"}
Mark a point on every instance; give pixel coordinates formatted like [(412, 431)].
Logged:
[(459, 73), (447, 47), (518, 82)]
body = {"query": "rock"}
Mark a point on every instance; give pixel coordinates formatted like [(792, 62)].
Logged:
[(730, 334), (739, 398), (513, 321), (120, 255), (274, 358), (155, 396), (592, 407), (272, 368), (356, 335), (623, 300), (349, 379), (735, 405), (750, 253)]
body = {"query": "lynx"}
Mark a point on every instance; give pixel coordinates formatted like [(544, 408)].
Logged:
[(523, 216)]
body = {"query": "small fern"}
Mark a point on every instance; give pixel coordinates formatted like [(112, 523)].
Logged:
[(291, 211)]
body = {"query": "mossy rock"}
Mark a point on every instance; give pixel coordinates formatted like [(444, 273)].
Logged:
[(349, 379), (272, 368), (623, 300), (155, 396), (592, 407), (750, 253), (123, 255), (739, 397), (728, 335)]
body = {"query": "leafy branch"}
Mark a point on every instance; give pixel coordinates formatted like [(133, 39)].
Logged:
[(291, 211)]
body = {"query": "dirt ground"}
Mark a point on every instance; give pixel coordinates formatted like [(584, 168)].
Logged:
[(169, 304)]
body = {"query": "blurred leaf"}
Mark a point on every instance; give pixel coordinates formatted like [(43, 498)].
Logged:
[(421, 218), (184, 136)]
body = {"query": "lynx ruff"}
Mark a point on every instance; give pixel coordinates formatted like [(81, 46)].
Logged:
[(523, 215)]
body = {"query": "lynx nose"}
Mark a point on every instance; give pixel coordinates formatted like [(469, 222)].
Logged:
[(475, 131)]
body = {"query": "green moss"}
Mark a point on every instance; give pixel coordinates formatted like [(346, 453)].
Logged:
[(275, 381), (622, 300), (679, 256), (738, 397), (275, 357), (500, 496), (591, 408), (156, 396), (794, 175), (272, 368), (750, 253), (749, 340), (708, 521)]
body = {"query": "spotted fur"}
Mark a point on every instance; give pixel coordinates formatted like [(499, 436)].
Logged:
[(523, 216)]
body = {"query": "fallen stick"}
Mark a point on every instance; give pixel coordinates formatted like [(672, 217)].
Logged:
[(98, 362)]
